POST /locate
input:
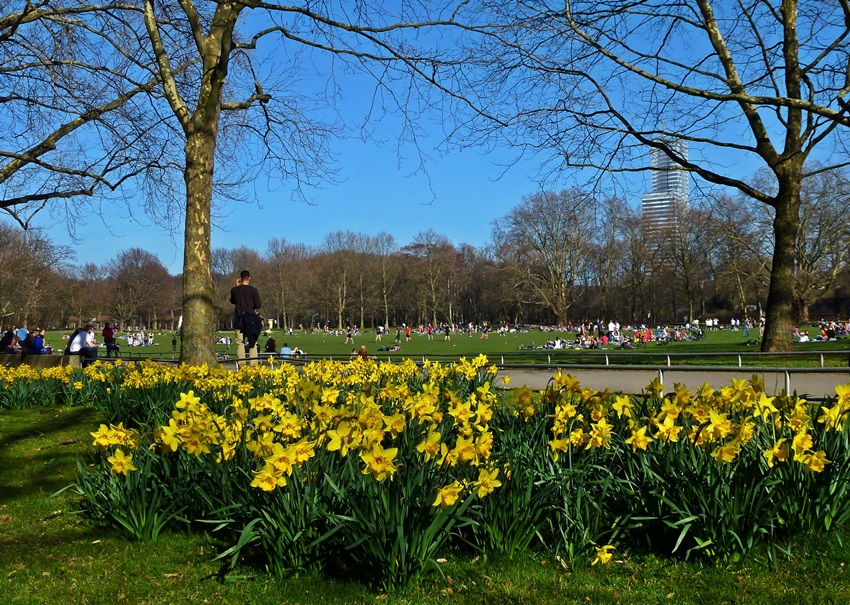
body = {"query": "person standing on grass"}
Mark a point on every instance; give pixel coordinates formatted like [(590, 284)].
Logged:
[(246, 301), (108, 335)]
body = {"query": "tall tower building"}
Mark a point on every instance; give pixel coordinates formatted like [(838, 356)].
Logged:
[(670, 183)]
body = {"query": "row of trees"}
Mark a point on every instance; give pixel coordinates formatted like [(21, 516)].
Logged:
[(176, 103), (556, 257)]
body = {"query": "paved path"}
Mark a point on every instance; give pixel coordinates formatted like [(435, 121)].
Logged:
[(808, 384)]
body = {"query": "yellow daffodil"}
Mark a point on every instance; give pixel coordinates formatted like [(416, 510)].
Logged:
[(779, 452), (268, 478), (169, 436), (379, 462), (188, 401), (668, 431), (486, 482), (448, 495), (802, 442), (832, 417), (102, 437), (814, 462), (578, 437), (603, 555), (464, 451), (396, 423), (765, 407), (623, 406), (600, 435), (431, 446), (121, 464), (719, 425), (558, 445), (726, 452), (344, 437), (639, 440), (655, 387)]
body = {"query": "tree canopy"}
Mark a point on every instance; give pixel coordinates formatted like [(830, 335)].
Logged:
[(751, 84)]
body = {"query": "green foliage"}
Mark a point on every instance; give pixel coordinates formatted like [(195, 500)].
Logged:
[(569, 475), (509, 520), (141, 503)]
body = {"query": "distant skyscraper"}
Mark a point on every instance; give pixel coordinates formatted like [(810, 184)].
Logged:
[(669, 188)]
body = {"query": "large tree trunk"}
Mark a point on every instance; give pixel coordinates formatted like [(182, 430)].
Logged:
[(780, 298), (198, 311), (201, 136)]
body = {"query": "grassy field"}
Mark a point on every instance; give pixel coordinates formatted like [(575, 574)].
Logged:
[(517, 348), (50, 555)]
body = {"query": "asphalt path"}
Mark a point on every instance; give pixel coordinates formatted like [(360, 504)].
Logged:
[(812, 384)]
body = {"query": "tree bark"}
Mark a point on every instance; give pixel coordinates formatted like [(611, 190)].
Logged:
[(780, 298), (198, 311), (201, 137)]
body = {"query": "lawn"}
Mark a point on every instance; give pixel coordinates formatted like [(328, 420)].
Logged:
[(517, 347), (50, 555)]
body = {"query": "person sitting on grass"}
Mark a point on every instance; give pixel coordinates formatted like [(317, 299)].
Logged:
[(83, 344)]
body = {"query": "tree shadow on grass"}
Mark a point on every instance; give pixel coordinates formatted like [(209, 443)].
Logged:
[(14, 549), (40, 458)]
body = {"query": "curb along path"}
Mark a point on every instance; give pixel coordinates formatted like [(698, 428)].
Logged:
[(815, 385)]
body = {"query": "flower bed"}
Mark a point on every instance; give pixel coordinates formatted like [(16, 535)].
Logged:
[(374, 470)]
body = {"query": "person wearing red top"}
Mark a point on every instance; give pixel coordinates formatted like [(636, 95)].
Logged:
[(108, 334)]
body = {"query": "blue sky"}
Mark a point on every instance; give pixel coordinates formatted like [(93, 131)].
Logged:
[(466, 192), (461, 194)]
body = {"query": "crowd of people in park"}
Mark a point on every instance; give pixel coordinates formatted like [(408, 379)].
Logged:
[(23, 340), (827, 331), (249, 327), (81, 341)]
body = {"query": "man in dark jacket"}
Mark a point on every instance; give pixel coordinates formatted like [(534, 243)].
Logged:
[(248, 323)]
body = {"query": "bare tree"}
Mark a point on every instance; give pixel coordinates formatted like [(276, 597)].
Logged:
[(597, 83), (285, 271), (84, 293), (226, 102), (684, 250), (433, 255), (138, 280), (551, 235), (607, 264), (823, 240), (744, 246), (27, 261), (338, 272), (74, 132), (386, 251)]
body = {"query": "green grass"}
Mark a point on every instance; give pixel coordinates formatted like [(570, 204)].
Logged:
[(507, 348), (48, 555)]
